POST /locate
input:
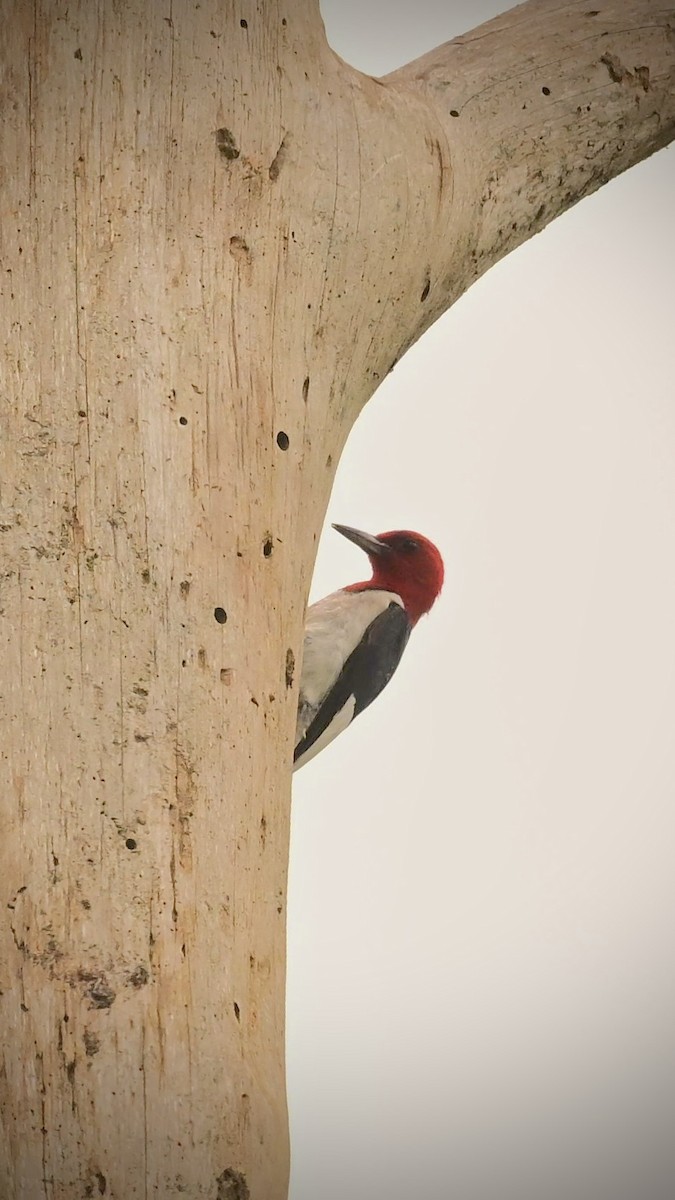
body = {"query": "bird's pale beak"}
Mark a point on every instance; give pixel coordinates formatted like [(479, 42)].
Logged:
[(365, 541)]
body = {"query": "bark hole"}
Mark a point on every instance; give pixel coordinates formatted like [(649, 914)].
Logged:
[(283, 440), (220, 615)]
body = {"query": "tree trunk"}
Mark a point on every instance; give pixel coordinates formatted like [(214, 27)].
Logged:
[(217, 238)]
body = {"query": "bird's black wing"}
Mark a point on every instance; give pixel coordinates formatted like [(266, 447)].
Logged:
[(366, 672)]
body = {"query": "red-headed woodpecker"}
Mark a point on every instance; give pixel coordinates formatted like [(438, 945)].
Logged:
[(354, 638)]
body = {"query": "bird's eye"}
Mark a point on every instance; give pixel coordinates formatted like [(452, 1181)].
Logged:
[(410, 544)]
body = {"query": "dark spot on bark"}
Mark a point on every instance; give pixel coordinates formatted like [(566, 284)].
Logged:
[(305, 388), (78, 54), (201, 656), (145, 575), (278, 160), (184, 587), (226, 144), (139, 976), (268, 545), (86, 905), (232, 1185), (254, 701), (540, 212), (220, 615), (263, 830), (81, 412), (236, 1010), (131, 844), (425, 290), (329, 460), (290, 667), (226, 674), (592, 12), (100, 992), (141, 737), (92, 1043), (239, 249), (620, 74), (243, 23), (283, 440), (454, 112), (70, 1071), (546, 91), (283, 20), (99, 1183), (182, 420), (183, 662), (138, 690)]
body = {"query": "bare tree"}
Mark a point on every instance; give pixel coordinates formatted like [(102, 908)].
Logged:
[(217, 238)]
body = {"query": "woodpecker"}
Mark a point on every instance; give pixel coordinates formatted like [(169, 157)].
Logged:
[(354, 638)]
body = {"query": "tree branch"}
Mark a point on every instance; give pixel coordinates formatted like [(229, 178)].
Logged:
[(533, 111)]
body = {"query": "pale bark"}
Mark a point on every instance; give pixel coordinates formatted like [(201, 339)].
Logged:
[(216, 239)]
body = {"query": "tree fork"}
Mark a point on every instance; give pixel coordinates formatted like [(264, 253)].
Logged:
[(217, 238)]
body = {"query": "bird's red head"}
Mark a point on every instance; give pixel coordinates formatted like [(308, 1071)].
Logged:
[(403, 562)]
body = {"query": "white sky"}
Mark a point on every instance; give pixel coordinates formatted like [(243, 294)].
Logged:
[(481, 986)]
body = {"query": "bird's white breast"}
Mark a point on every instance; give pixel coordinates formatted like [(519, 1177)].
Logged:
[(333, 628)]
